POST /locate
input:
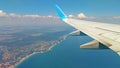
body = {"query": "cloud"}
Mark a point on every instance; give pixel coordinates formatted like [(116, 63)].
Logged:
[(2, 13), (70, 16), (17, 19), (81, 15)]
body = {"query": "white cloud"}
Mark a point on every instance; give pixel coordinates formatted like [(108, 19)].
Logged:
[(2, 13), (70, 16), (81, 15)]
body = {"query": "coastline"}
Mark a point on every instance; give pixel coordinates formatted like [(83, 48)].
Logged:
[(26, 57)]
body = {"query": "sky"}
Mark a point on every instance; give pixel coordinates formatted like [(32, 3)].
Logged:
[(46, 7)]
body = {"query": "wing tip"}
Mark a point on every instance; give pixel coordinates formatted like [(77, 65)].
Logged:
[(60, 12)]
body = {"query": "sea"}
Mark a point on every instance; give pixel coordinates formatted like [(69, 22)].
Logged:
[(68, 54)]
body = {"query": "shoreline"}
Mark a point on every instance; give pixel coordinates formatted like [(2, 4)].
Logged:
[(26, 57)]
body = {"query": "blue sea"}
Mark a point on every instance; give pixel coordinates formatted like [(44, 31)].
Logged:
[(68, 54)]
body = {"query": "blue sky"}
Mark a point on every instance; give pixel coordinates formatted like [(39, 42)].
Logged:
[(46, 7)]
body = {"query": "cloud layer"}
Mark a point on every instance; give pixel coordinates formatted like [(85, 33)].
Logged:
[(12, 18), (2, 13)]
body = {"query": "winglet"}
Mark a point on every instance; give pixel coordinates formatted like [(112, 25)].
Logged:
[(60, 12)]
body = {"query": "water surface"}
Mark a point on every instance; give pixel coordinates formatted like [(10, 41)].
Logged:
[(67, 54)]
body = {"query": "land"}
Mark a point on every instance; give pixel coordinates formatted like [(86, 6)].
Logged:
[(21, 37), (17, 44)]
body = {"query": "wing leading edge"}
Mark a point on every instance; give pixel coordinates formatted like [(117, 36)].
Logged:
[(107, 34)]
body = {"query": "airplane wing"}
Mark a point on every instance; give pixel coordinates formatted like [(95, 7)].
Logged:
[(103, 33)]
